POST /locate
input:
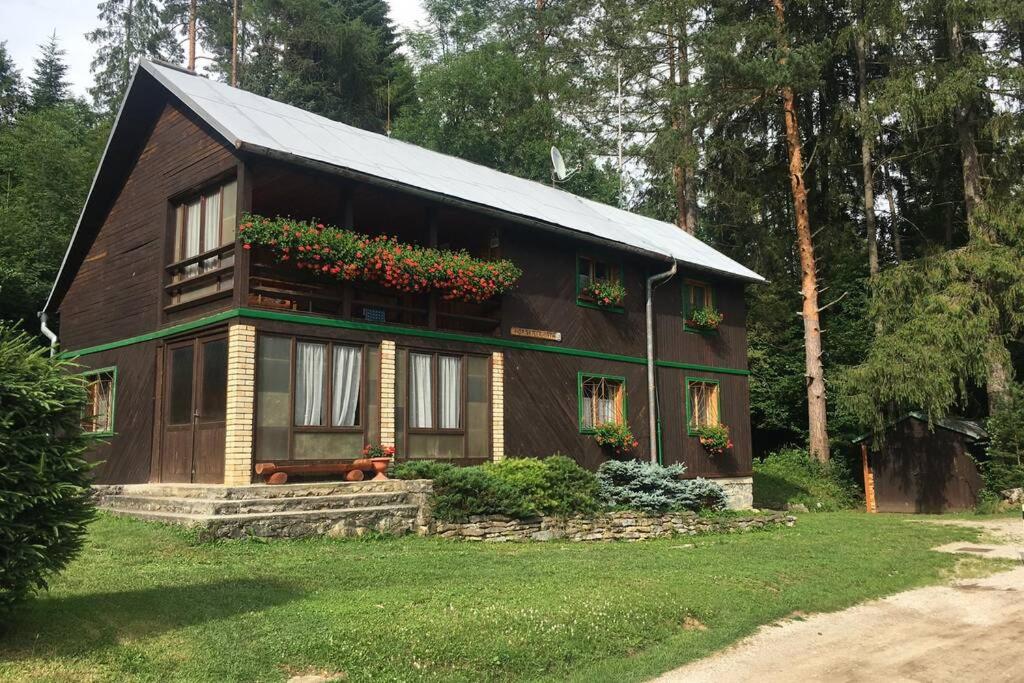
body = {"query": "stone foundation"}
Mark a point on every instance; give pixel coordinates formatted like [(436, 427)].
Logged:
[(739, 491), (615, 526)]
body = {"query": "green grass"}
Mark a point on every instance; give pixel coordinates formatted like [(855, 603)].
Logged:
[(149, 602)]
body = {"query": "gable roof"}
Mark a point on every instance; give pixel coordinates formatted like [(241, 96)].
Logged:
[(262, 126)]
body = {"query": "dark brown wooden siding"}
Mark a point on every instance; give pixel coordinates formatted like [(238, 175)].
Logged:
[(117, 291), (920, 471), (125, 457)]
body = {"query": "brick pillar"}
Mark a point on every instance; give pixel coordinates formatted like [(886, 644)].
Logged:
[(238, 430), (498, 405), (387, 393)]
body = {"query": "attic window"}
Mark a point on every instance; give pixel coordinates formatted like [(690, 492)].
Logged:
[(204, 238), (591, 271)]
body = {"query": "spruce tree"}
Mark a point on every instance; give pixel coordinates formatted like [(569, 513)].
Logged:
[(130, 30), (12, 91), (48, 83)]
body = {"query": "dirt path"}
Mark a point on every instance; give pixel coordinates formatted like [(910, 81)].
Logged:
[(971, 630)]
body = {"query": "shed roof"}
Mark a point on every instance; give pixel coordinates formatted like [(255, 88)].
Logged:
[(973, 430), (263, 126)]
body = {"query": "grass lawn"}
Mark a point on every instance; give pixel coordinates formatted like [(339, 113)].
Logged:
[(147, 602)]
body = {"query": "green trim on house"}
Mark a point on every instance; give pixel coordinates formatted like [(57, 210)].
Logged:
[(690, 431), (305, 319), (687, 310), (112, 370), (590, 304), (158, 334), (579, 397)]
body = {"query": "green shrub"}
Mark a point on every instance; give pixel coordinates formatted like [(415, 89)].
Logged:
[(652, 488), (555, 485), (419, 469), (461, 492), (44, 484), (517, 487), (792, 476)]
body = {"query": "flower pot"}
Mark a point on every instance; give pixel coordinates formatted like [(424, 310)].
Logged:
[(363, 464), (380, 466)]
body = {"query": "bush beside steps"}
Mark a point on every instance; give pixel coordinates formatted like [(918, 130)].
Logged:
[(524, 488)]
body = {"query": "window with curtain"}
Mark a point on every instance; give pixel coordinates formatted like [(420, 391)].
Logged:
[(442, 405), (310, 399), (602, 400), (702, 403), (435, 391), (98, 414), (204, 224)]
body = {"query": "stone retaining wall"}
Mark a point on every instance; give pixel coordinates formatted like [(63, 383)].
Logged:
[(615, 526)]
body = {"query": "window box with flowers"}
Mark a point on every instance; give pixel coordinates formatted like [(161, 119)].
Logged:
[(347, 255), (616, 437), (700, 310)]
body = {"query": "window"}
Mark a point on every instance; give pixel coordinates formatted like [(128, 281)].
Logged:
[(703, 404), (602, 399), (590, 270), (98, 414), (315, 400), (204, 226), (442, 405), (696, 296)]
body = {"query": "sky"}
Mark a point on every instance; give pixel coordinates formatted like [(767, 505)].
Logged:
[(24, 24)]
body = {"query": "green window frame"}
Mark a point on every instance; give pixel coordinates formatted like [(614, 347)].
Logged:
[(612, 266), (710, 299), (584, 377), (691, 429), (90, 413)]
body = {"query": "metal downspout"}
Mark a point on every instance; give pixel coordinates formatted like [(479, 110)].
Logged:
[(47, 332), (652, 402)]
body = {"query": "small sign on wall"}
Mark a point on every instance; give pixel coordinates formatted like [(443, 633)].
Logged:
[(536, 334)]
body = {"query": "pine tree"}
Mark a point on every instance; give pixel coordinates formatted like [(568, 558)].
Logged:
[(48, 84), (12, 92), (131, 30)]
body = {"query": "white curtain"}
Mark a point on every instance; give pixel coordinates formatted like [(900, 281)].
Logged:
[(588, 411), (192, 234), (309, 384), (211, 227), (420, 390), (605, 410), (348, 371), (449, 370)]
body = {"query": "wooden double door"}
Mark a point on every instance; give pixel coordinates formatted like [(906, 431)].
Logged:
[(194, 410)]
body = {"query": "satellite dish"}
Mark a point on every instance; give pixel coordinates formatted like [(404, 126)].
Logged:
[(558, 164)]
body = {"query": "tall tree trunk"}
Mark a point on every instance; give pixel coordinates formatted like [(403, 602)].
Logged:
[(998, 381), (192, 35), (234, 44), (894, 218), (860, 43), (683, 175), (817, 418)]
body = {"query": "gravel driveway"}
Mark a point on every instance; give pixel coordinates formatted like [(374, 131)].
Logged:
[(971, 630)]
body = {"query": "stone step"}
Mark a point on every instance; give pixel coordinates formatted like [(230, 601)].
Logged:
[(221, 506), (262, 491), (391, 519)]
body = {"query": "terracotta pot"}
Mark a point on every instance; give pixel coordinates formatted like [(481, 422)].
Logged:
[(354, 475), (363, 464), (380, 466)]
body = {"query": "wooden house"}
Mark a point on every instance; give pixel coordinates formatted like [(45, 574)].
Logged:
[(207, 357), (922, 468)]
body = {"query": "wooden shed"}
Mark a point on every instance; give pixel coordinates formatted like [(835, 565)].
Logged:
[(922, 469)]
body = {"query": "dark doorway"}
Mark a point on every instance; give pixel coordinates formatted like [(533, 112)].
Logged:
[(195, 400)]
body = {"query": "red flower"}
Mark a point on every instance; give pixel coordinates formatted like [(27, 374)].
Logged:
[(247, 246)]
